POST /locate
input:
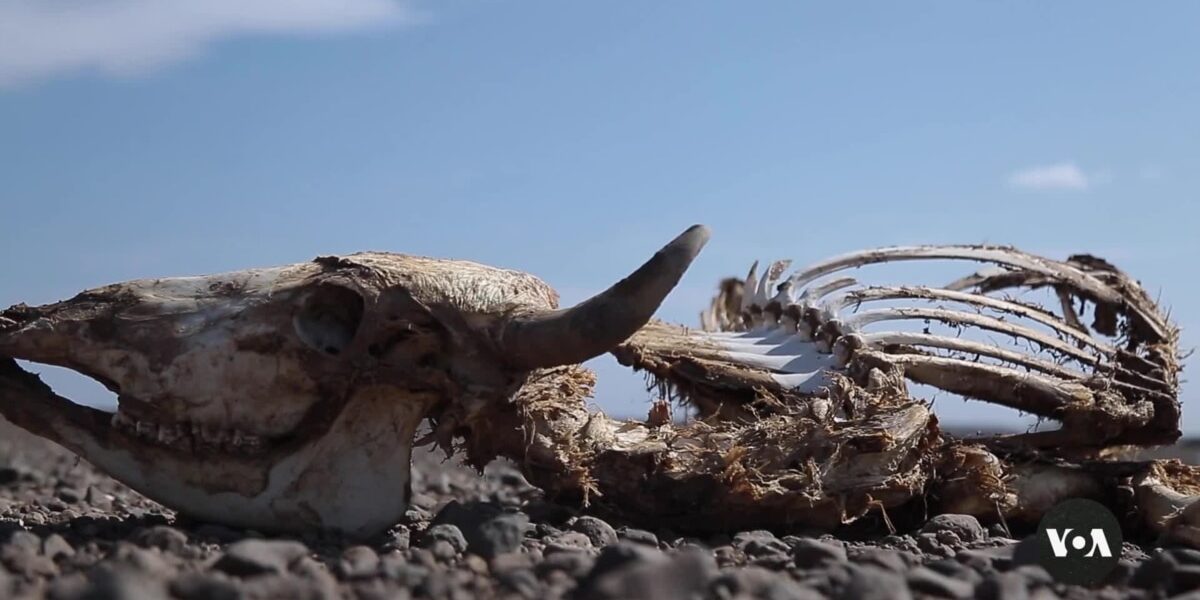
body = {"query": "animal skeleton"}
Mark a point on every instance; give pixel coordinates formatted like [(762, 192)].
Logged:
[(287, 398)]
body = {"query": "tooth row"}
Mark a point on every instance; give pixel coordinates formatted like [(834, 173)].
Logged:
[(190, 436)]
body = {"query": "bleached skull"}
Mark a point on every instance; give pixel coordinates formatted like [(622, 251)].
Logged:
[(287, 398)]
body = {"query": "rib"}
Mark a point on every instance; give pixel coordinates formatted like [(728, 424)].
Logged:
[(971, 347), (928, 293), (954, 317), (1060, 273), (1030, 392)]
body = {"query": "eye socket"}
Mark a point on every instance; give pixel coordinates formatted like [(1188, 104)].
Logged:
[(328, 318)]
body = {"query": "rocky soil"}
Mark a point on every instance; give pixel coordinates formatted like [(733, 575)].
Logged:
[(68, 532)]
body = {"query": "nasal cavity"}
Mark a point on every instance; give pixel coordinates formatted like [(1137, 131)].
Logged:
[(328, 318)]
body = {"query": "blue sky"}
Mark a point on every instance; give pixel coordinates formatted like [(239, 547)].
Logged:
[(145, 138)]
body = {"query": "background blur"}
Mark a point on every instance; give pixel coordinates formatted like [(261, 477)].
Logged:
[(143, 138)]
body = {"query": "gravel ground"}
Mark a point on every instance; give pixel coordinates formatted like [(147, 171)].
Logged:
[(67, 531)]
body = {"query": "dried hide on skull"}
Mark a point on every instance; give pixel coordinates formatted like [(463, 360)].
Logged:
[(287, 398)]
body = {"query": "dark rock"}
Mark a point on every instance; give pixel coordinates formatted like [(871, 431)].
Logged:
[(1154, 572), (543, 530), (1185, 556), (775, 562), (120, 582), (29, 565), (204, 586), (140, 560), (568, 541), (508, 475), (509, 561), (423, 501), (929, 542), (9, 475), (521, 582), (998, 530), (55, 546), (618, 555), (281, 586), (540, 511), (163, 537), (600, 533), (1121, 574), (248, 558), (873, 583), (966, 527), (726, 556), (928, 581), (904, 543), (755, 582), (318, 575), (408, 575), (889, 560), (685, 575), (444, 551), (639, 536), (97, 498), (759, 543), (955, 569), (810, 553), (487, 529), (1034, 574), (829, 579), (422, 557), (948, 538), (998, 557), (576, 564), (21, 542), (358, 562), (397, 538), (1185, 578), (69, 495), (1003, 586), (416, 514), (447, 534)]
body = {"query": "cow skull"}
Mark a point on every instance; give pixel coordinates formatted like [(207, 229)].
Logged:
[(286, 398)]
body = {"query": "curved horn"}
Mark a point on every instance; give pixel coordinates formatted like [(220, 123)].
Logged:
[(597, 325)]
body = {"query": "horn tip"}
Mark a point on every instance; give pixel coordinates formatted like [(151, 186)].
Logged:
[(692, 239), (698, 231)]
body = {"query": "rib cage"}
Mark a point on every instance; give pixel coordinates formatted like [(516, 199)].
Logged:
[(807, 416), (1113, 382)]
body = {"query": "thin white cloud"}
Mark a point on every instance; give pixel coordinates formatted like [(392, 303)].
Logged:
[(44, 38), (1061, 176)]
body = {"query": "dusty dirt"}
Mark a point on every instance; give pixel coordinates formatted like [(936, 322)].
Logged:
[(67, 531)]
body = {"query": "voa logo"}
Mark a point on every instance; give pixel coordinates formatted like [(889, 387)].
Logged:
[(1096, 538), (1078, 541)]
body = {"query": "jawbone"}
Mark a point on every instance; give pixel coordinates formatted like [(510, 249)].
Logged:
[(353, 478)]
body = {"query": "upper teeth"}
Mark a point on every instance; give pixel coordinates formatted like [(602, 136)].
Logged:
[(189, 436)]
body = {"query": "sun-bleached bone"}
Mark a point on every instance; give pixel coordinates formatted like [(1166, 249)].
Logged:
[(1138, 369), (750, 287), (286, 399), (1040, 316), (1109, 385), (807, 414), (965, 319)]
